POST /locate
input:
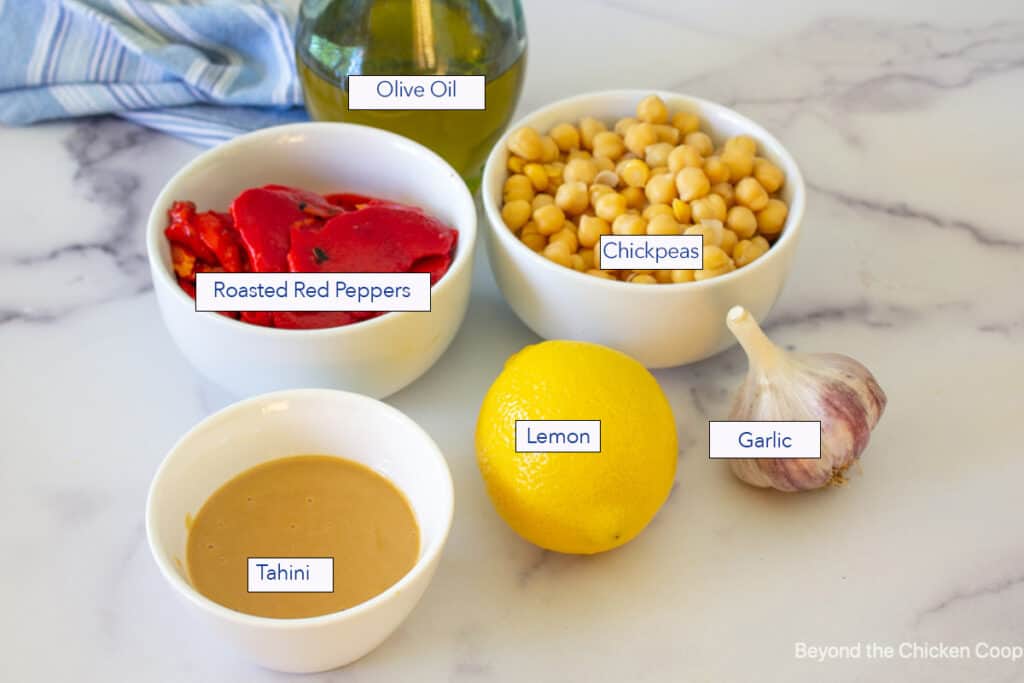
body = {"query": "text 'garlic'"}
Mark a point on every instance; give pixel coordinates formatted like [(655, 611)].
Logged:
[(781, 386)]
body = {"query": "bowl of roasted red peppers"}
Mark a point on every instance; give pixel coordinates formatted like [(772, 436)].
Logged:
[(279, 229), (314, 198)]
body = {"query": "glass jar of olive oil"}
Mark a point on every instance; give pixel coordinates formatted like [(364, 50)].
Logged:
[(340, 38)]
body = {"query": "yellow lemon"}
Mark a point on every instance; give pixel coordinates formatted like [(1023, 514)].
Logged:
[(578, 502)]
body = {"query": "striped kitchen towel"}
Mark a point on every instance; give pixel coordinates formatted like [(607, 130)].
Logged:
[(205, 70)]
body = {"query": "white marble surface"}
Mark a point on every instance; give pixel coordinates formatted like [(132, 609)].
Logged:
[(906, 118)]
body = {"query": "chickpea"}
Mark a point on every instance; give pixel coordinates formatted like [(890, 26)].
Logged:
[(529, 229), (568, 236), (576, 263), (572, 198), (658, 209), (515, 164), (526, 143), (716, 262), (660, 189), (604, 164), (719, 207), (559, 253), (725, 191), (750, 194), (580, 170), (711, 231), (684, 156), (679, 276), (537, 175), (610, 206), (739, 163), (566, 136), (716, 170), (747, 251), (578, 154), (664, 225), (682, 211), (549, 219), (729, 241), (741, 221), (597, 191), (666, 133), (642, 279), (609, 144), (516, 214), (692, 183), (590, 231), (652, 109), (686, 122), (657, 154), (700, 142), (635, 173), (604, 275), (589, 127), (711, 207), (664, 277), (629, 224), (772, 218), (588, 258), (635, 197), (518, 187), (624, 124), (741, 143), (542, 200), (639, 137), (549, 149), (768, 174), (535, 241), (554, 171)]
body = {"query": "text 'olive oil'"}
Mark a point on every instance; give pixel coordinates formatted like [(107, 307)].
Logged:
[(341, 38)]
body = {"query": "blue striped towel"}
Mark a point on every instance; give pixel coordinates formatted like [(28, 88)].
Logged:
[(205, 70)]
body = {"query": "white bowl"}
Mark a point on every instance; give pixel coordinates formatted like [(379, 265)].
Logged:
[(376, 357), (659, 325), (308, 421)]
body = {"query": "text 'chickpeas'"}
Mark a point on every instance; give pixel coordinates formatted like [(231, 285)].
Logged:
[(654, 173)]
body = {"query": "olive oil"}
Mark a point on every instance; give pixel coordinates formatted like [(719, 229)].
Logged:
[(415, 38)]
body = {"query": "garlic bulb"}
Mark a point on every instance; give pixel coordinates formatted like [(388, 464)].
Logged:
[(780, 386)]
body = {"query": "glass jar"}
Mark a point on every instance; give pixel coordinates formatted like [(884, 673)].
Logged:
[(340, 38)]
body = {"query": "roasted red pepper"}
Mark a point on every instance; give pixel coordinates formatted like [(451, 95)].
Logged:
[(218, 233), (263, 218), (306, 201), (183, 231), (380, 238), (349, 201), (437, 266), (184, 262)]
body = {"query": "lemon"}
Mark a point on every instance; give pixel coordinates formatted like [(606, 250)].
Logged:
[(578, 502)]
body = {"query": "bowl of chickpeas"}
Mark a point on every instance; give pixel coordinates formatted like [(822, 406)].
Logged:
[(630, 162)]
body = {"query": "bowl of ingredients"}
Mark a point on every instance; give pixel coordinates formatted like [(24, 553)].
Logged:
[(302, 525), (313, 198), (636, 163)]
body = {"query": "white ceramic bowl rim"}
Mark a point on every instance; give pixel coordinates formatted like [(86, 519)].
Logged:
[(218, 610), (793, 219), (158, 219)]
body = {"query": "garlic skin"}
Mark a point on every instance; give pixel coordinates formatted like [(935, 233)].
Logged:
[(780, 386)]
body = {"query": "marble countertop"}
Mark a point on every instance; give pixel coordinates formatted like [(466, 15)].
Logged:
[(906, 121)]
